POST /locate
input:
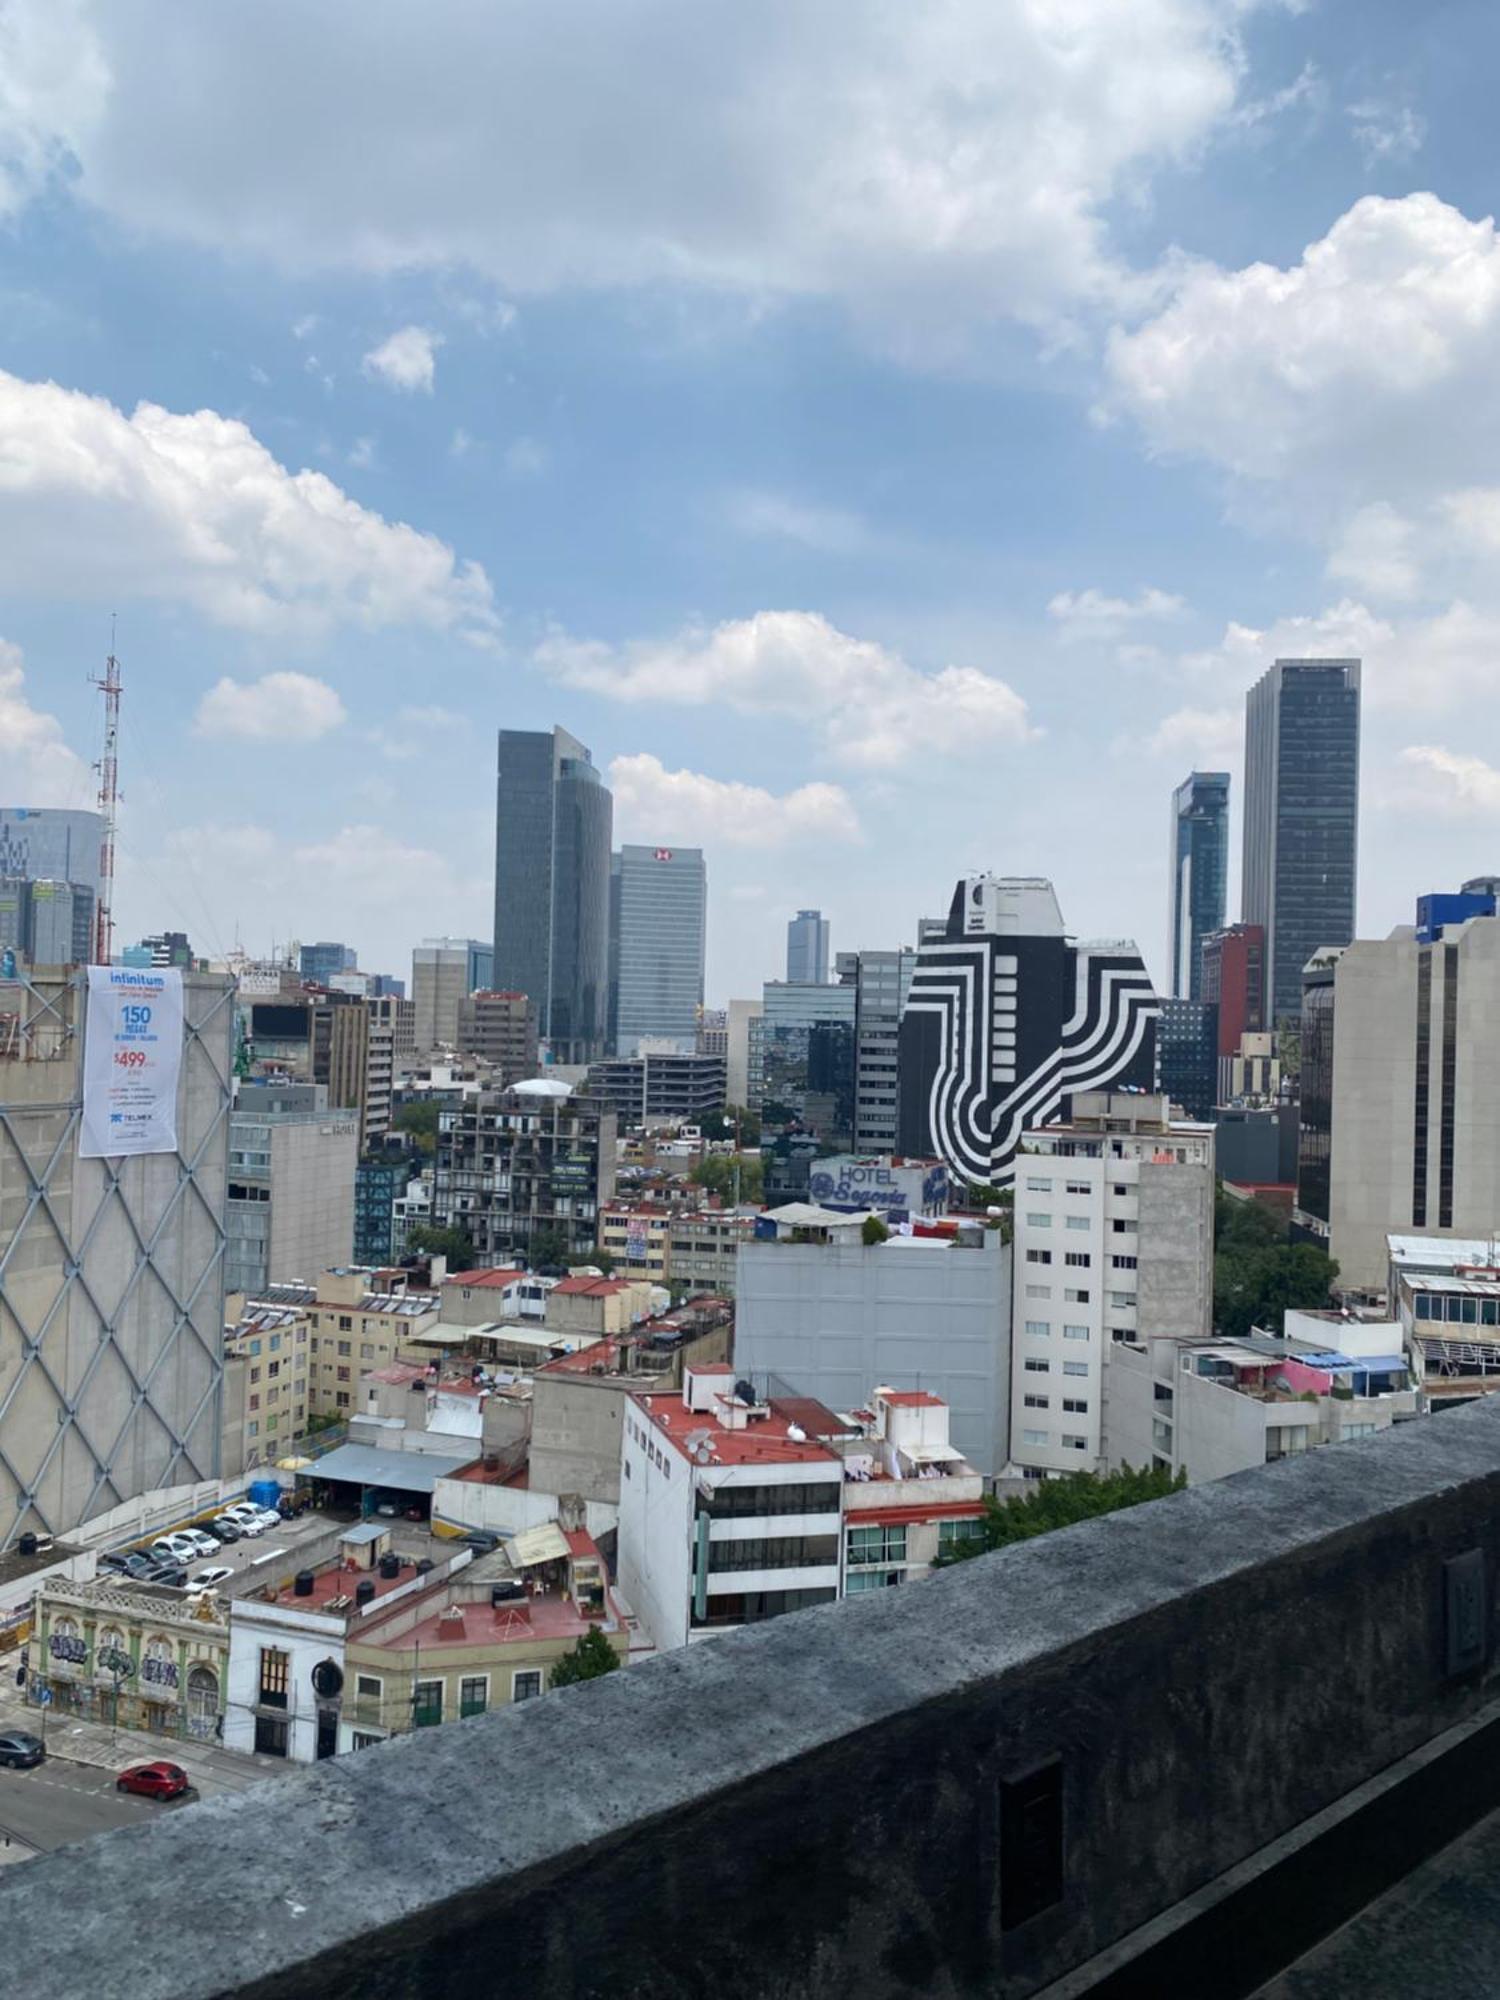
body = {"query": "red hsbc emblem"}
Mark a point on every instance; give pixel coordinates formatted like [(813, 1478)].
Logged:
[(664, 854)]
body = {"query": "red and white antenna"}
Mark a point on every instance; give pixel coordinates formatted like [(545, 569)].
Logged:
[(109, 799)]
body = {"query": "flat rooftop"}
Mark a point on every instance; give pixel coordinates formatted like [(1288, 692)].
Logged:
[(764, 1440)]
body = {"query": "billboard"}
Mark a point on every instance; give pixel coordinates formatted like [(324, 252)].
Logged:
[(131, 1059), (847, 1181)]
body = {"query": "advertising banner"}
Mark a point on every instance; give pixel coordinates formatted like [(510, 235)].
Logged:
[(132, 1055)]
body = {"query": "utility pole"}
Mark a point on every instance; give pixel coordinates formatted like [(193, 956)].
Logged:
[(109, 798)]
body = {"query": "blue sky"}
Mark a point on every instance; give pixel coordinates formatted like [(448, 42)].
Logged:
[(892, 438)]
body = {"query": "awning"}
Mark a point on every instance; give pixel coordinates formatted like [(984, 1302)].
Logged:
[(397, 1471), (537, 1545)]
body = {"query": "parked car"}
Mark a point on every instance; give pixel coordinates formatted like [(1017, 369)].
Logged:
[(174, 1549), (138, 1564), (224, 1530), (242, 1509), (202, 1540), (20, 1749), (115, 1559), (269, 1518), (210, 1578), (482, 1541), (154, 1781)]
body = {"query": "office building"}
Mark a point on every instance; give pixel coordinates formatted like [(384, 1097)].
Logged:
[(266, 1382), (881, 982), (802, 1042), (713, 1032), (1114, 1239), (45, 844), (807, 949), (1187, 1059), (1200, 874), (1301, 829), (111, 1272), (1006, 1019), (292, 1164), (524, 1166), (832, 1316), (1401, 1097), (702, 1249), (444, 972), (396, 1013), (553, 824), (1233, 982), (499, 1028), (61, 928), (659, 1087), (378, 1186), (737, 1049), (319, 962), (658, 920)]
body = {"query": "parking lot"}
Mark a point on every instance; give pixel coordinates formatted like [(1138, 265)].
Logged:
[(258, 1560)]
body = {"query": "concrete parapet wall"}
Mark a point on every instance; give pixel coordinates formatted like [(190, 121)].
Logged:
[(847, 1800)]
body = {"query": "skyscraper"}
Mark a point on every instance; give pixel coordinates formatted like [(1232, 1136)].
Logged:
[(1301, 817), (807, 949), (1007, 1018), (553, 820), (881, 981), (1200, 870), (49, 864), (319, 962), (445, 971), (658, 903)]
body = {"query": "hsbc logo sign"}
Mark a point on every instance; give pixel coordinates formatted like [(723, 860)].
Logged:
[(664, 854)]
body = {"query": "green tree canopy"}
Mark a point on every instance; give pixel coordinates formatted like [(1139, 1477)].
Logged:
[(591, 1657), (1058, 1503), (1255, 1287), (419, 1121), (597, 1254), (549, 1248), (454, 1244), (721, 1125), (874, 1230), (716, 1173)]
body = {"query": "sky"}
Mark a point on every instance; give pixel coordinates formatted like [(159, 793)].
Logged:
[(891, 438)]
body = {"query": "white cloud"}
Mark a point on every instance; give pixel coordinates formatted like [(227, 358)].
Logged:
[(278, 708), (1207, 739), (54, 93), (1387, 135), (406, 359), (653, 803), (872, 708), (1469, 787), (193, 509), (774, 516), (36, 766), (1377, 552), (362, 453), (525, 458), (1366, 367), (1090, 614), (930, 166)]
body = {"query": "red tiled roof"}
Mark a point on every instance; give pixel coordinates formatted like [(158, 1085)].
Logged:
[(912, 1399), (892, 1517), (584, 1360), (484, 1278), (763, 1442), (598, 1288)]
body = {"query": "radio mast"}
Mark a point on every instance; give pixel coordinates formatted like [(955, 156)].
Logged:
[(109, 799)]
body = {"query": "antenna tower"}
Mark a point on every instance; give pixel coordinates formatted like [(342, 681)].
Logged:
[(109, 799)]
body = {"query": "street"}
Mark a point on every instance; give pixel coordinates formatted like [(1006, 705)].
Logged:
[(59, 1802)]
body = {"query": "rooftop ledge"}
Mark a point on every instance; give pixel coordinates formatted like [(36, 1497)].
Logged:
[(973, 1785)]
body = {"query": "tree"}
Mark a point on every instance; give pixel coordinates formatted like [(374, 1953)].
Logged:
[(1058, 1503), (419, 1122), (874, 1230), (716, 1172), (604, 1259), (1244, 1225), (722, 1125), (548, 1247), (1255, 1287), (591, 1657), (982, 1195), (454, 1244)]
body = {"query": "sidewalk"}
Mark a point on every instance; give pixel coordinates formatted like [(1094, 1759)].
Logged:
[(212, 1768)]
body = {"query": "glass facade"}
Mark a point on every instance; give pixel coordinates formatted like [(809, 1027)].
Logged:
[(1315, 1136), (1187, 1055), (554, 820), (807, 949), (1301, 816), (1200, 872), (658, 904)]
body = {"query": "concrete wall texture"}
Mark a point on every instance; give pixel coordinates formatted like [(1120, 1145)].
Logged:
[(831, 1807), (835, 1323), (312, 1199), (111, 1283)]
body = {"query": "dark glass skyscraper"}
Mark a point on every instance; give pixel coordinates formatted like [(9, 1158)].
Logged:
[(1200, 871), (554, 818), (1301, 817)]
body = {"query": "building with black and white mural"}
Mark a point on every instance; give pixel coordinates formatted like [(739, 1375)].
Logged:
[(1006, 1018)]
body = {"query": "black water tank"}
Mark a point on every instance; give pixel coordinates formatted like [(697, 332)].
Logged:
[(507, 1592), (390, 1565), (302, 1583), (27, 1545), (424, 1565), (364, 1590)]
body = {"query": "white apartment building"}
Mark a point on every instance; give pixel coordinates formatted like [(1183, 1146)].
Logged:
[(729, 1511), (1113, 1243)]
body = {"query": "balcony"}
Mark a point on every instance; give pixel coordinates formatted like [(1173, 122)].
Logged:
[(1164, 1752)]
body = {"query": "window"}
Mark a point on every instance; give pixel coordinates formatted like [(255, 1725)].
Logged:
[(342, 1399), (275, 1677), (1036, 1219), (363, 1740), (774, 1552), (426, 1704), (951, 1533), (345, 1348), (861, 1580), (1075, 1296), (1121, 1188), (1035, 1437), (343, 1374), (1038, 1367), (1122, 1227), (1039, 1256), (1080, 1222), (1078, 1187), (1077, 1405), (1122, 1301), (367, 1350), (1075, 1333), (1038, 1329), (1036, 1186), (1079, 1260), (254, 1374), (252, 1430), (885, 1544), (1038, 1291), (1122, 1263), (1037, 1402), (526, 1686), (346, 1325), (1074, 1443), (1075, 1368), (273, 1371), (474, 1694), (369, 1687)]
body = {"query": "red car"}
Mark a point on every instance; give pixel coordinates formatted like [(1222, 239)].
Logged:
[(154, 1781)]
